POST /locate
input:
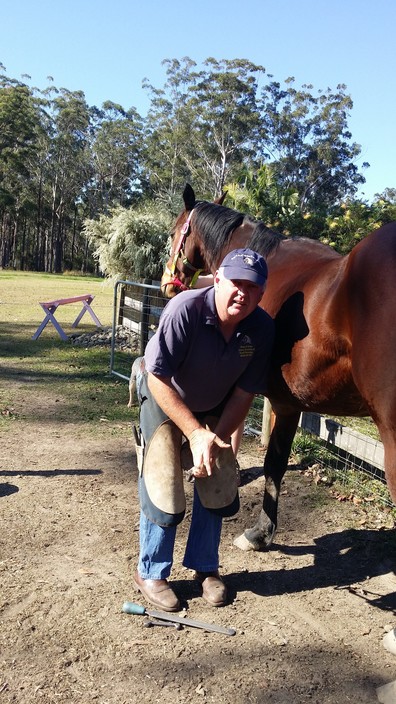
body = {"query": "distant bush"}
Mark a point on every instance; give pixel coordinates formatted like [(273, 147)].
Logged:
[(130, 244)]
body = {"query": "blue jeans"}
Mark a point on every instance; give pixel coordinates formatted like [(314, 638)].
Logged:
[(202, 549)]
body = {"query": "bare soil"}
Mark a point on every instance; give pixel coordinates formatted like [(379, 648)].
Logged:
[(310, 613)]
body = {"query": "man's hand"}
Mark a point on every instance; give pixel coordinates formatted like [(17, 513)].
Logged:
[(204, 448)]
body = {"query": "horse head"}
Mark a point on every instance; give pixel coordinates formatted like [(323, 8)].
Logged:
[(187, 260)]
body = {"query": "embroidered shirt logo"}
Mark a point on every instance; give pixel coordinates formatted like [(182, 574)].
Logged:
[(246, 348)]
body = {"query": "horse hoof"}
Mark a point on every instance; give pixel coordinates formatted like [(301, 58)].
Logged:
[(389, 641), (256, 539), (243, 543)]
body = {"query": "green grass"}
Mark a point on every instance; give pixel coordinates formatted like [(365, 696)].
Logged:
[(309, 451), (364, 425), (21, 292), (75, 379)]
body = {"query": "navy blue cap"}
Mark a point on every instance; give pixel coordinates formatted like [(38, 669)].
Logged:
[(245, 264)]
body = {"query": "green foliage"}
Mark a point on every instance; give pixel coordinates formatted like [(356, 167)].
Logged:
[(307, 449), (342, 226), (130, 244), (261, 194), (350, 222), (201, 125), (115, 157), (305, 136), (285, 152)]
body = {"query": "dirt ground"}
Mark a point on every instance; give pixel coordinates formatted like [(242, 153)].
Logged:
[(309, 614)]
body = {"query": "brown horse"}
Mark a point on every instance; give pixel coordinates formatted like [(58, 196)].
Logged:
[(335, 342)]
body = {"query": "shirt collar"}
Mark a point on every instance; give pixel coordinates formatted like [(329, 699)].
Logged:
[(209, 308)]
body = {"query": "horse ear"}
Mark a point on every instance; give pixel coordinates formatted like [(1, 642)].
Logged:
[(189, 197), (219, 201)]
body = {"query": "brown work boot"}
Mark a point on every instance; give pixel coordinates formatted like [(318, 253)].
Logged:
[(214, 591), (157, 592)]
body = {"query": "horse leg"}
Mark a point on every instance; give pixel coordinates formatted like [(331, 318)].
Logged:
[(262, 534), (388, 437), (390, 467), (135, 379)]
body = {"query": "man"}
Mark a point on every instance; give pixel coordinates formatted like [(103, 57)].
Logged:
[(207, 360)]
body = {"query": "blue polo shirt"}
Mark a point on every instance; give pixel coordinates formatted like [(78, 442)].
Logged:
[(189, 348)]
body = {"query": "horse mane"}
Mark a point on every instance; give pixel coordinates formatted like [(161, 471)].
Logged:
[(264, 240), (216, 223)]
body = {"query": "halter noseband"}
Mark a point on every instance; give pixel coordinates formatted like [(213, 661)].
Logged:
[(179, 254)]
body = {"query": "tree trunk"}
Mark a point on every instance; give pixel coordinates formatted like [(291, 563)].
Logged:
[(58, 248)]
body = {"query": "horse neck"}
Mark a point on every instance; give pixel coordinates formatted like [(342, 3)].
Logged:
[(241, 236)]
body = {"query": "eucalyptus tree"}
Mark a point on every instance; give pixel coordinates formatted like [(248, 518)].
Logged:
[(168, 128), (308, 159), (68, 164), (20, 128), (116, 144), (201, 124), (305, 137), (225, 133)]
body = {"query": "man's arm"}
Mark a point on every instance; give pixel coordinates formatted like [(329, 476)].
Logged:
[(204, 280), (234, 412), (202, 441), (172, 404)]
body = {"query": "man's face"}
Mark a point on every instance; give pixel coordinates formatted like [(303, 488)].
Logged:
[(235, 299)]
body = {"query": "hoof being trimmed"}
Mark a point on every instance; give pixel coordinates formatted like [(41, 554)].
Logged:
[(243, 543)]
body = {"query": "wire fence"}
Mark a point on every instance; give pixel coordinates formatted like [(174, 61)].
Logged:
[(342, 454), (356, 460)]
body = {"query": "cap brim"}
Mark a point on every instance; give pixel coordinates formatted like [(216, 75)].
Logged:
[(238, 274)]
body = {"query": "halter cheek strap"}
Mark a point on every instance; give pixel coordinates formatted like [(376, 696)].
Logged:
[(179, 247), (178, 252), (195, 277)]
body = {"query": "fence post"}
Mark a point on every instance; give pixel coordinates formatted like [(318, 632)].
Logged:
[(122, 303), (266, 425), (145, 317)]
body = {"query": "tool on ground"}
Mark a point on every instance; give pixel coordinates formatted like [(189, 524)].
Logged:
[(130, 608), (156, 622)]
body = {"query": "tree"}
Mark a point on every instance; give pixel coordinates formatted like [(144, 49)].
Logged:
[(260, 193), (306, 139), (20, 128), (353, 220), (168, 131), (226, 121), (389, 195), (284, 154), (68, 166), (115, 152), (201, 125)]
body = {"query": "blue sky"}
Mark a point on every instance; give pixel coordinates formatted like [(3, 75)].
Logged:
[(107, 48)]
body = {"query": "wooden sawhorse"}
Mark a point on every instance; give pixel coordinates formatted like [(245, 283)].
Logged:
[(50, 308)]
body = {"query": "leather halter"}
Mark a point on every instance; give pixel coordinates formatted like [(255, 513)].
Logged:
[(178, 253)]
